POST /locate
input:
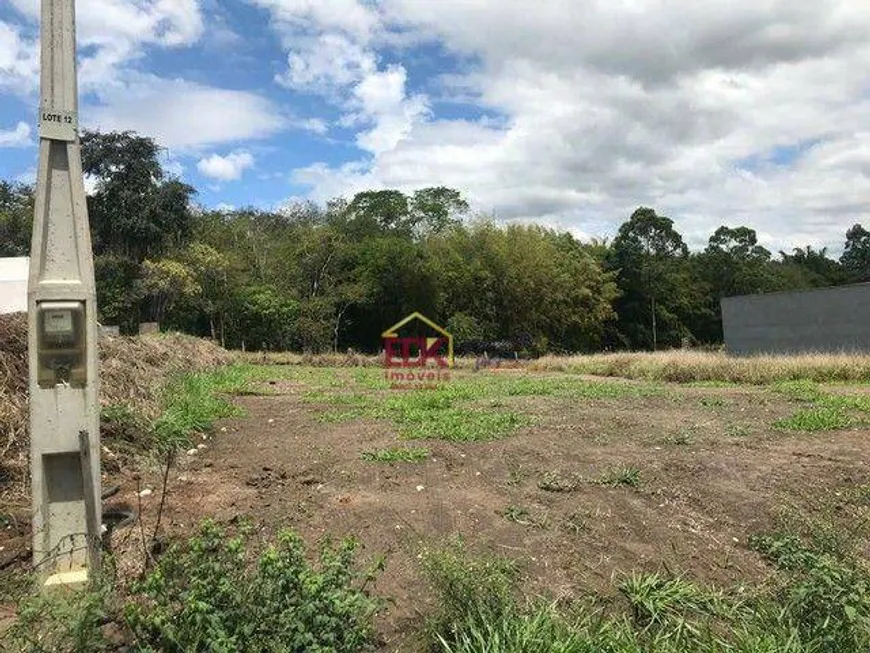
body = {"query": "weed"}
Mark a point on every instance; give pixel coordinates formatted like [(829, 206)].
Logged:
[(65, 621), (459, 425), (575, 523), (713, 368), (396, 455), (828, 412), (827, 597), (737, 430), (517, 473), (470, 588), (194, 401), (657, 601), (713, 402), (337, 417), (616, 476), (14, 585), (823, 418), (334, 399), (449, 412), (122, 423), (555, 482), (858, 495), (712, 384), (803, 391), (682, 438), (209, 596), (523, 517)]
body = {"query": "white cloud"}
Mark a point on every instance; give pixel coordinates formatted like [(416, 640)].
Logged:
[(226, 168), (117, 30), (114, 35), (184, 115), (19, 61), (359, 19), (314, 125), (331, 54), (17, 137), (605, 106), (27, 177)]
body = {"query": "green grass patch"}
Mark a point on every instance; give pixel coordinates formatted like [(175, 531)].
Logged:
[(806, 391), (396, 455), (623, 475), (469, 409), (825, 411), (128, 430), (459, 425), (193, 402), (822, 418), (335, 398)]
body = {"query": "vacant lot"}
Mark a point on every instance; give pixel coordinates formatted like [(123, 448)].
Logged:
[(581, 480)]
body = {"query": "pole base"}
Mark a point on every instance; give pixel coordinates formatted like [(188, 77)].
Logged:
[(67, 578)]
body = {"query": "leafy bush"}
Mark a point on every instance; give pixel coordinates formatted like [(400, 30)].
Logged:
[(209, 596)]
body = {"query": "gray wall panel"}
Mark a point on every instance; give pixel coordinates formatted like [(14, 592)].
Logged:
[(823, 320)]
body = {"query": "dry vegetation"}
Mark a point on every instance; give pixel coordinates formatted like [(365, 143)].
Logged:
[(133, 371), (691, 366)]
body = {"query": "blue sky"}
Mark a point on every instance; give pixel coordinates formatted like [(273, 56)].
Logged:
[(734, 112)]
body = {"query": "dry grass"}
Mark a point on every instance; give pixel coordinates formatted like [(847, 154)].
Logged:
[(677, 366), (341, 360), (310, 360), (132, 371), (691, 366)]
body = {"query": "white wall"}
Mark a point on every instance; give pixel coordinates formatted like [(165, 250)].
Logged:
[(13, 284)]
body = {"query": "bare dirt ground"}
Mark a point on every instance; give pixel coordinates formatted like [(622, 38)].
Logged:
[(713, 470)]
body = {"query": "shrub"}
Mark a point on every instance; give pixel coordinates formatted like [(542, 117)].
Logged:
[(209, 596)]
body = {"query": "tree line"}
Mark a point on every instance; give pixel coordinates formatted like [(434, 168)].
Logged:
[(318, 278)]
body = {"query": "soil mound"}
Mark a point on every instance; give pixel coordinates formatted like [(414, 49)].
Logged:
[(132, 370)]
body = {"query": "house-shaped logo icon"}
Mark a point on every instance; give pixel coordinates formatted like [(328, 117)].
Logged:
[(425, 343)]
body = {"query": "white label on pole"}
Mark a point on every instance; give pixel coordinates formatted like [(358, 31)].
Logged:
[(58, 125), (58, 323)]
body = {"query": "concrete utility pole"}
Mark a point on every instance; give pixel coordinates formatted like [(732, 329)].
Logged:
[(64, 377)]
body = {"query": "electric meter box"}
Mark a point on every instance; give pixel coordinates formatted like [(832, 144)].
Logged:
[(61, 344)]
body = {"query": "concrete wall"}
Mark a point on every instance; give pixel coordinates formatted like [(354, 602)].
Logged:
[(824, 320), (13, 284)]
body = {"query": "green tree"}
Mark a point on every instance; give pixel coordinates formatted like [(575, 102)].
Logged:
[(210, 270), (119, 291), (732, 264), (659, 294), (135, 211), (381, 212), (856, 256), (164, 283), (435, 209), (16, 219), (263, 319), (810, 268), (526, 284)]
